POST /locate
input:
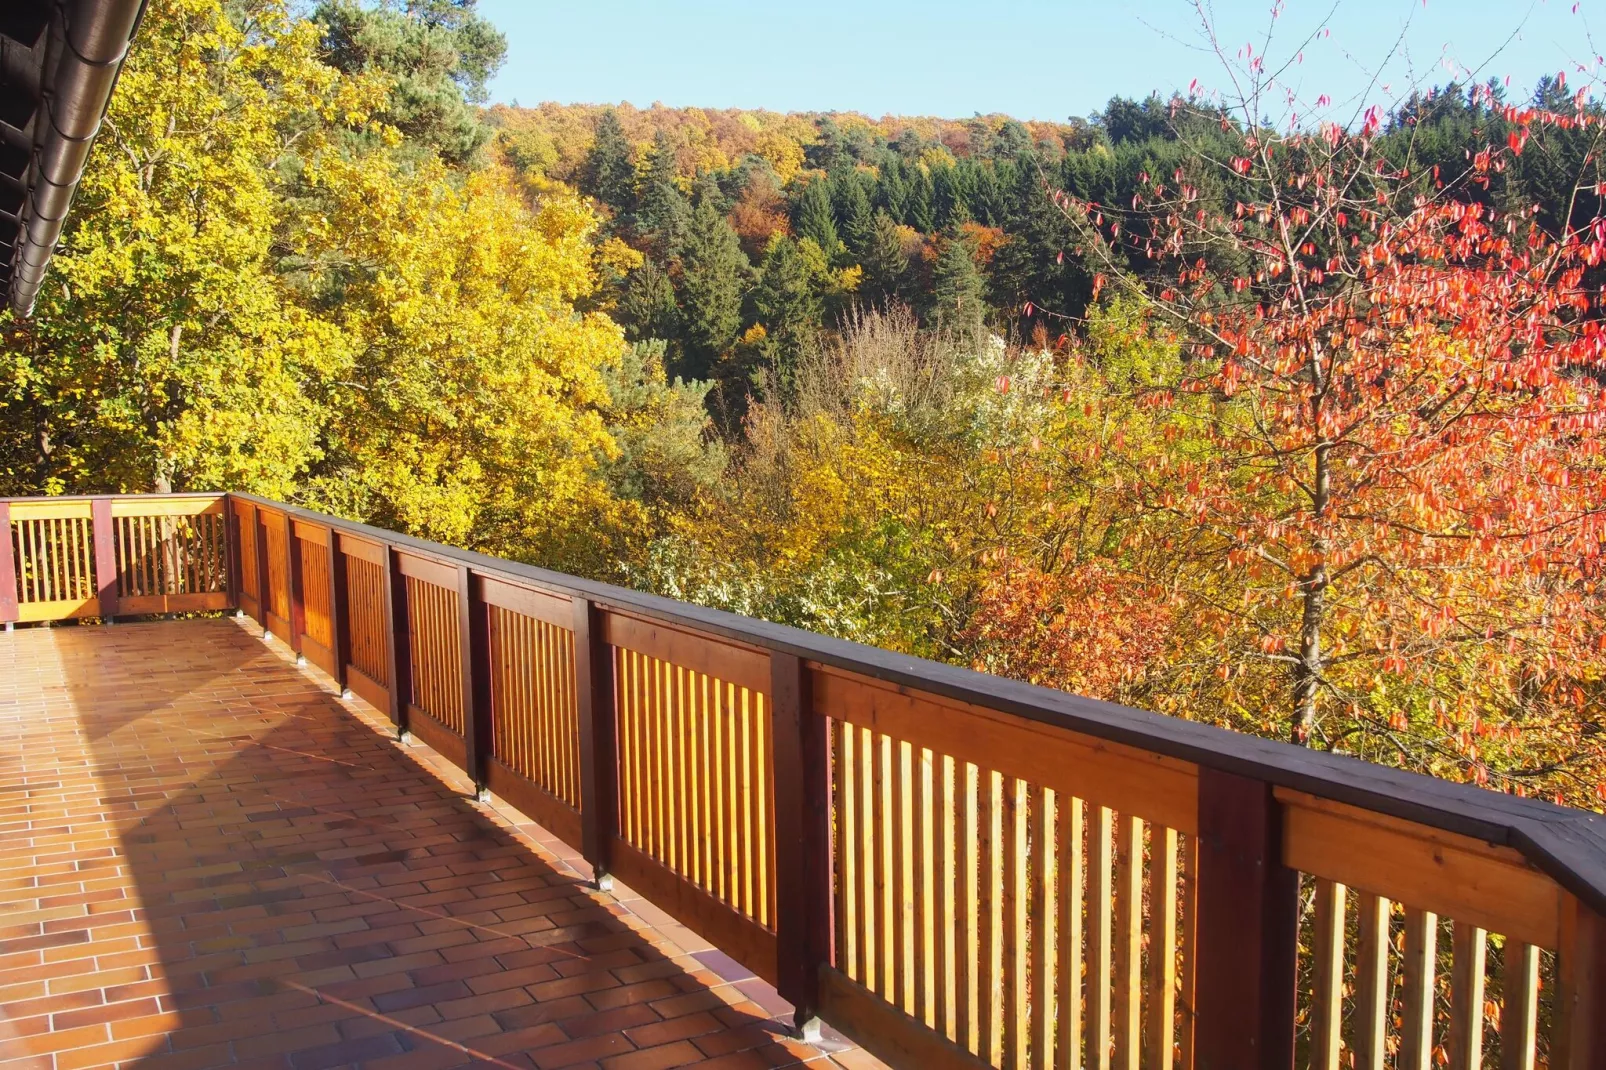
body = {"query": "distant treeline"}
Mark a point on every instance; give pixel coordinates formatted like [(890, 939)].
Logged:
[(758, 231)]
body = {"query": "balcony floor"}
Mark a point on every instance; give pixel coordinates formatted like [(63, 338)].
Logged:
[(207, 859)]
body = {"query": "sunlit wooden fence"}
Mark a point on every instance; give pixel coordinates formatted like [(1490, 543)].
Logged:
[(953, 869)]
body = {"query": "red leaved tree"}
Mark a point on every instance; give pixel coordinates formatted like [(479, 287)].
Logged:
[(1402, 389)]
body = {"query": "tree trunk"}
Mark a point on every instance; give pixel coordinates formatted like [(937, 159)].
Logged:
[(1308, 670), (1313, 589)]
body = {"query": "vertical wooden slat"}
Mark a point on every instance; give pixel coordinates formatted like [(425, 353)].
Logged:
[(1470, 945), (1013, 822), (1327, 1010), (898, 830), (599, 758), (881, 859), (1372, 983), (1160, 1029), (989, 997), (1101, 848), (100, 511), (921, 849), (1247, 929), (842, 841), (968, 924), (1421, 956), (8, 568), (1128, 944), (1042, 879), (1519, 1018), (946, 873), (1068, 1045)]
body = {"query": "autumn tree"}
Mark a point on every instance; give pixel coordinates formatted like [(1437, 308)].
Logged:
[(1402, 389), (164, 354)]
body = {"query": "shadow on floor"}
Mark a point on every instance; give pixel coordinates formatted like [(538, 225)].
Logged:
[(264, 879)]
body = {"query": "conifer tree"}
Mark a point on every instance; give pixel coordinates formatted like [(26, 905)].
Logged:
[(958, 301), (648, 307), (787, 305), (885, 266), (609, 176), (714, 274), (857, 220), (816, 220), (919, 210), (662, 209)]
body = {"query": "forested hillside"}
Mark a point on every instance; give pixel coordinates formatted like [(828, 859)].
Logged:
[(1291, 428)]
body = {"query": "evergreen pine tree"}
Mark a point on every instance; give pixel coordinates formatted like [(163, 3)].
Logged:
[(816, 220), (885, 266), (892, 191), (609, 175), (439, 56), (857, 221), (787, 305), (951, 192), (958, 299), (662, 209), (647, 308), (1029, 267), (713, 274), (919, 210)]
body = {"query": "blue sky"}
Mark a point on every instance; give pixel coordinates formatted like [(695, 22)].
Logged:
[(1034, 59)]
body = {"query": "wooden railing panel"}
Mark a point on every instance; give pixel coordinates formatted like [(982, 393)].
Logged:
[(246, 581), (435, 658), (52, 548), (535, 736), (318, 633), (1021, 924), (368, 673), (171, 555), (694, 771), (1430, 949)]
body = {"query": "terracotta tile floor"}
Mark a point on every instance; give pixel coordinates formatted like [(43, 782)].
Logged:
[(207, 859)]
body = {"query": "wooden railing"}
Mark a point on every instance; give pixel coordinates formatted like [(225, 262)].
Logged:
[(953, 869)]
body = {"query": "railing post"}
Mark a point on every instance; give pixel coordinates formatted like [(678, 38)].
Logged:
[(599, 793), (100, 512), (1248, 929), (802, 811), (474, 638), (8, 570), (259, 541), (339, 618), (231, 552), (292, 580), (394, 587), (1580, 1035)]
